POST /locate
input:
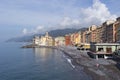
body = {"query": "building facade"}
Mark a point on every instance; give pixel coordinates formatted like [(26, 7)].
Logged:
[(68, 40), (77, 38), (90, 35), (83, 36), (60, 41), (99, 34), (72, 39), (44, 40), (36, 40), (108, 31), (93, 36), (117, 29)]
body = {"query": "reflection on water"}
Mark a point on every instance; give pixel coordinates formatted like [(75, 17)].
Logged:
[(43, 53), (47, 54)]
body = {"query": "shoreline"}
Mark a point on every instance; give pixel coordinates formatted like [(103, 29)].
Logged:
[(101, 69)]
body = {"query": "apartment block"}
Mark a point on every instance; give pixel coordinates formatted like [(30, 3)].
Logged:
[(117, 29), (108, 35)]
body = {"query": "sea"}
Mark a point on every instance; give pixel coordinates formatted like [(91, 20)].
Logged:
[(18, 63)]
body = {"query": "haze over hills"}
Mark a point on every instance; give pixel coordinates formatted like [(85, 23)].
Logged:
[(53, 33)]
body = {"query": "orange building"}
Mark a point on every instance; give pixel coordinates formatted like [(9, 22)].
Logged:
[(67, 40)]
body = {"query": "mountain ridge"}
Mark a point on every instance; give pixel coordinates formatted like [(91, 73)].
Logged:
[(53, 33)]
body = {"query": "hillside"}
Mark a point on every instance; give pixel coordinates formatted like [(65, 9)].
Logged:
[(53, 33)]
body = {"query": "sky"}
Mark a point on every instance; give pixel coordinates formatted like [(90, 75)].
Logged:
[(25, 17)]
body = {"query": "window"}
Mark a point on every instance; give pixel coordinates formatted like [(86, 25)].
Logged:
[(108, 50), (100, 49)]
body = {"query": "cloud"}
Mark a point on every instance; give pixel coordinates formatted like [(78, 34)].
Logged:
[(39, 29), (25, 31), (68, 22), (96, 14)]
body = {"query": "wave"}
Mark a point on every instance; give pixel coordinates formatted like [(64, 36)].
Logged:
[(69, 60)]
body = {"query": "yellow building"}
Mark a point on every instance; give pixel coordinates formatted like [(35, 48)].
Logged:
[(72, 39), (77, 38)]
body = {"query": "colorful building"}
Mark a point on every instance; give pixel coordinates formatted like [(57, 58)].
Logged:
[(72, 39), (99, 31), (117, 29), (59, 41), (108, 35), (68, 40), (77, 38), (83, 36), (44, 40), (90, 35), (108, 32)]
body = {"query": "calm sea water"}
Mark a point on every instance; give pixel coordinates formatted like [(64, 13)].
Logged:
[(35, 64)]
